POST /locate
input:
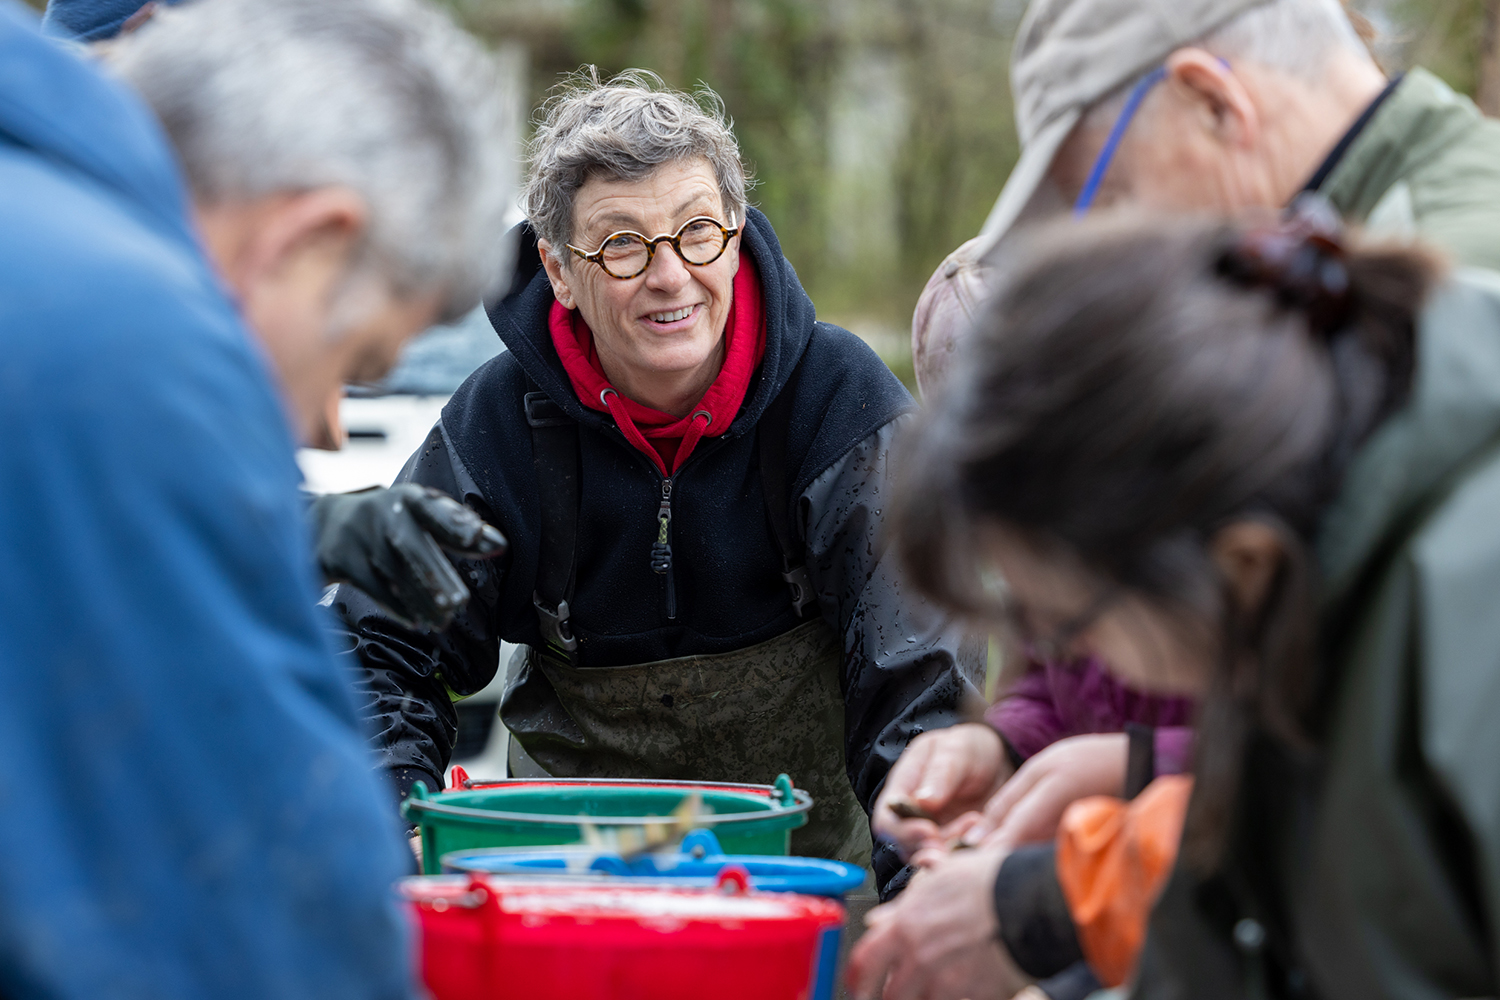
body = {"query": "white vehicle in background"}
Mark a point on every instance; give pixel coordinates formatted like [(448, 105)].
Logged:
[(385, 424)]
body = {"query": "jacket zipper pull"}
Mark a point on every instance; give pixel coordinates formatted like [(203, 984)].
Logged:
[(661, 552)]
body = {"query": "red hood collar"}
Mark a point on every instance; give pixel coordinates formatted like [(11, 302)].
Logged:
[(671, 439)]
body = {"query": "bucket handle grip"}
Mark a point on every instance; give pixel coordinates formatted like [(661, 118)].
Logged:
[(733, 880)]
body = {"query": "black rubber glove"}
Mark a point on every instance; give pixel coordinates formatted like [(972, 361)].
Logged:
[(389, 542)]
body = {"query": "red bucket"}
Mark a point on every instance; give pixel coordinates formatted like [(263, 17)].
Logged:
[(492, 937)]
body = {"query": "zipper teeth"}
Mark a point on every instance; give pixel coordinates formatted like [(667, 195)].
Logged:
[(661, 551)]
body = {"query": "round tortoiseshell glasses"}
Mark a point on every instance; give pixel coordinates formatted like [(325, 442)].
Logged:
[(625, 254)]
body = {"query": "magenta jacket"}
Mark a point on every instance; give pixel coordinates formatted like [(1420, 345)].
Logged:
[(1057, 700)]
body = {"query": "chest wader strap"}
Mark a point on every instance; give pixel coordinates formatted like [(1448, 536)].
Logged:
[(554, 451), (773, 428)]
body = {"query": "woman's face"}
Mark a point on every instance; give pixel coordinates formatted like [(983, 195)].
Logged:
[(1056, 602), (670, 319)]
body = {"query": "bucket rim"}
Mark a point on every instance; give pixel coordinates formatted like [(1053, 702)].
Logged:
[(476, 784), (801, 803)]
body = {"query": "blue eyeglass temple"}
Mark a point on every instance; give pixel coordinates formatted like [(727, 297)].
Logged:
[(1132, 105), (1101, 163)]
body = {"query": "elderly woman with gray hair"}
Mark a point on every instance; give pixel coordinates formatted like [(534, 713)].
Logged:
[(691, 471)]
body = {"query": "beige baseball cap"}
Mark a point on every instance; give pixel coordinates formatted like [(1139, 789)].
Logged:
[(1071, 53)]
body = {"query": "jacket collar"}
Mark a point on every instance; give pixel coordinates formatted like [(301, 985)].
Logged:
[(520, 318), (1420, 117), (1340, 150)]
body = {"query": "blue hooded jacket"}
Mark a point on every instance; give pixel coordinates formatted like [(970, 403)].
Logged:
[(188, 803), (89, 20)]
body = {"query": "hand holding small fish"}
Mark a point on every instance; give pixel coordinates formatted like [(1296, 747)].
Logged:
[(943, 775)]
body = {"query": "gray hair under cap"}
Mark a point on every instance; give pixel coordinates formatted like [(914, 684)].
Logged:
[(624, 129)]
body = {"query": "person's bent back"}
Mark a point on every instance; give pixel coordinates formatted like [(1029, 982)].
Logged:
[(191, 810)]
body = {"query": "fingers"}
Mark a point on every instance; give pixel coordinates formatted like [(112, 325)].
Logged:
[(909, 834), (872, 956), (454, 526), (907, 980), (425, 583), (1002, 802), (953, 833), (905, 833), (1033, 819), (1031, 804), (943, 773), (929, 857), (946, 767)]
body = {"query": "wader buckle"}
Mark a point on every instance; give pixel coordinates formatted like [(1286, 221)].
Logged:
[(802, 589), (554, 624)]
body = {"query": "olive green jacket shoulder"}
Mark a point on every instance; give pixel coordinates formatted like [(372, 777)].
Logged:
[(1372, 868), (1427, 163)]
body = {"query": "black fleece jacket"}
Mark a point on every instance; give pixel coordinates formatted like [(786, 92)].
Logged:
[(901, 672)]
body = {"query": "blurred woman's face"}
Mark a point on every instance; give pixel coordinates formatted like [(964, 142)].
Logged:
[(668, 320), (1066, 612)]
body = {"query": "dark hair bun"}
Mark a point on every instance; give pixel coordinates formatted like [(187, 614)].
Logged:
[(1300, 260)]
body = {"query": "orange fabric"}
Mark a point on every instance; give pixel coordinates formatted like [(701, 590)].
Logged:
[(1113, 857)]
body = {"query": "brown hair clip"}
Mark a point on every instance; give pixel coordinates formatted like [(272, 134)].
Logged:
[(1299, 260)]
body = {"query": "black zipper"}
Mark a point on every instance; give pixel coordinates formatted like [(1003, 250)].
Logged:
[(661, 551)]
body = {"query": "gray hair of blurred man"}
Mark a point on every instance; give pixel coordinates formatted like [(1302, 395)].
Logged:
[(1293, 36), (388, 98), (623, 129)]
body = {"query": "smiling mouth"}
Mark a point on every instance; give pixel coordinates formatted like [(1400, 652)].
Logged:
[(674, 316)]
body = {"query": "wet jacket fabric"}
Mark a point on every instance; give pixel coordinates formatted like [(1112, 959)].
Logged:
[(1371, 868), (189, 808), (1427, 164), (900, 674)]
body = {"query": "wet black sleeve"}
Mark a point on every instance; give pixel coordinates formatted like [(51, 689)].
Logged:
[(902, 670), (406, 678), (1036, 926)]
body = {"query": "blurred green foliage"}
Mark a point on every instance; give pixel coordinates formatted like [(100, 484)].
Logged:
[(924, 82), (1442, 35), (879, 131)]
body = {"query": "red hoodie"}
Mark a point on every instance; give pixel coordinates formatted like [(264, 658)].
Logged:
[(661, 437)]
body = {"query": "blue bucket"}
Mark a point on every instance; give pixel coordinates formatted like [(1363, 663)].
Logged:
[(699, 863)]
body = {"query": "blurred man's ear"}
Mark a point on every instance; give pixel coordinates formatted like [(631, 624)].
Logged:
[(284, 239), (317, 230), (1210, 86)]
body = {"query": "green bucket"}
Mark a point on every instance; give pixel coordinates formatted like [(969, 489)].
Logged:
[(543, 812)]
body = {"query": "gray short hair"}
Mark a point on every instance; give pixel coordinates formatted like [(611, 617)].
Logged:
[(1293, 36), (624, 129), (387, 97)]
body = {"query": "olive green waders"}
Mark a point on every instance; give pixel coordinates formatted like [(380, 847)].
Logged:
[(744, 716)]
